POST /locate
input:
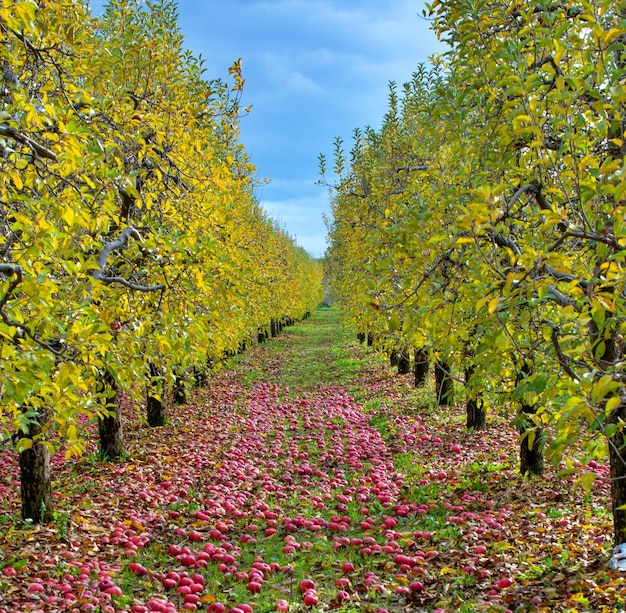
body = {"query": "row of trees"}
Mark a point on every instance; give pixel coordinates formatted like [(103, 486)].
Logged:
[(485, 222), (132, 246)]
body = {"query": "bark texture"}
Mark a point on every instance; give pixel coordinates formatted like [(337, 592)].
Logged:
[(35, 484), (617, 456), (531, 460), (531, 455), (420, 367), (110, 426), (476, 415), (444, 386), (180, 389), (155, 402), (404, 362)]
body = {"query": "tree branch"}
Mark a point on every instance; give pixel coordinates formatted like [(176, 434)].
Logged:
[(535, 190), (564, 276), (120, 243), (517, 195), (548, 59), (38, 149), (503, 241), (10, 270), (17, 271), (561, 299), (561, 357)]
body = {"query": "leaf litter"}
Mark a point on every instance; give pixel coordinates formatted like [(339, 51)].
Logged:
[(384, 503)]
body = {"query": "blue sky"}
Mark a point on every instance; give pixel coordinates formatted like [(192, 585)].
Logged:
[(314, 70)]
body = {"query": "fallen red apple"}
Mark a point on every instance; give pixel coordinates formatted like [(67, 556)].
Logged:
[(306, 584), (347, 567)]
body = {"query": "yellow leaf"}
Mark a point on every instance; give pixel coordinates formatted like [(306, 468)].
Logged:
[(612, 403), (80, 519), (68, 216), (24, 444), (208, 598), (612, 34), (481, 303)]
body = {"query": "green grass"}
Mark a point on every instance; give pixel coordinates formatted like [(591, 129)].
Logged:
[(314, 353)]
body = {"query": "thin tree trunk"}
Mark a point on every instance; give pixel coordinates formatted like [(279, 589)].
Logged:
[(110, 426), (531, 460), (605, 348), (155, 402), (180, 389), (617, 457), (531, 447), (404, 363), (444, 386), (476, 415), (35, 481), (200, 376), (370, 339), (617, 443), (420, 367)]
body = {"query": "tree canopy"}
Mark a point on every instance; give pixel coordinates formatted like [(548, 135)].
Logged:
[(130, 231), (485, 219)]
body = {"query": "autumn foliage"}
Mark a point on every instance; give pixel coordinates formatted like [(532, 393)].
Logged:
[(483, 223), (130, 234)]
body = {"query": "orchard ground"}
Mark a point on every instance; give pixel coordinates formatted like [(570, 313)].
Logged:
[(309, 476)]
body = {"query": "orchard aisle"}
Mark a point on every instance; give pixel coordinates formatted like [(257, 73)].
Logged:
[(307, 476)]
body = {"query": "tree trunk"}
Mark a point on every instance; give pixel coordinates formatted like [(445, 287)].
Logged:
[(530, 455), (610, 355), (444, 386), (110, 426), (421, 367), (200, 376), (393, 358), (617, 457), (361, 337), (475, 408), (180, 389), (35, 483), (404, 363), (370, 339), (274, 328), (155, 402)]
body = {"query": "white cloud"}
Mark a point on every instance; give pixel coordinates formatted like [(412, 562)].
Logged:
[(284, 76), (302, 218), (314, 69)]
